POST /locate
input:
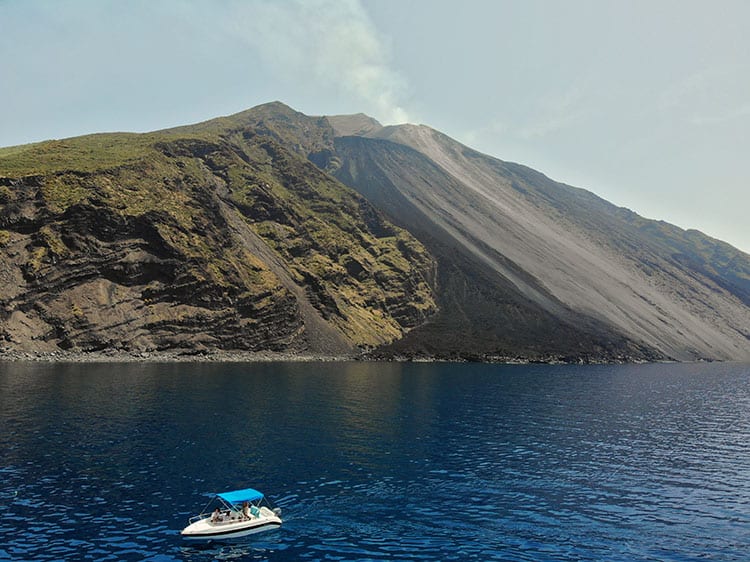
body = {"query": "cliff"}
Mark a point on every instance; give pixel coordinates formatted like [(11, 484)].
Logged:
[(210, 237)]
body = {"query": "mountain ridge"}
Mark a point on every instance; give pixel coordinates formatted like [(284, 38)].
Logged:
[(440, 251)]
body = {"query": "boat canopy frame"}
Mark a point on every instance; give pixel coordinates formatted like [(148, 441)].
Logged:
[(231, 500)]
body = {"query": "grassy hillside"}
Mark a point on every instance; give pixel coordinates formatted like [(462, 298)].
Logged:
[(210, 236)]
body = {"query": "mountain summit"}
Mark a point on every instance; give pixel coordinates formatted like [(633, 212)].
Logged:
[(270, 229)]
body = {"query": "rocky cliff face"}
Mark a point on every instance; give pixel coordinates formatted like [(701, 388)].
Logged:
[(241, 233), (210, 237)]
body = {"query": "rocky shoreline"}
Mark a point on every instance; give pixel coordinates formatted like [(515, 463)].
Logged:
[(184, 356), (239, 356)]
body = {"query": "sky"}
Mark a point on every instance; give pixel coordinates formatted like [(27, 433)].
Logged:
[(645, 103)]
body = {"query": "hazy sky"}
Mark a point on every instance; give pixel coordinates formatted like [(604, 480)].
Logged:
[(646, 103)]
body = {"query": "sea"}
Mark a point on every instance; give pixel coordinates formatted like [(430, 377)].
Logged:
[(378, 461)]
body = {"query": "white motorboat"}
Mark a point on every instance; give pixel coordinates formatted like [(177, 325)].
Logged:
[(238, 513)]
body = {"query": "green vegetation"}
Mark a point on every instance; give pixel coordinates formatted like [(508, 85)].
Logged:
[(63, 190), (52, 241), (36, 258), (82, 154), (89, 153)]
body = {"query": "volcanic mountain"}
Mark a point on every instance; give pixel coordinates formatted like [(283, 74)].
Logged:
[(270, 229)]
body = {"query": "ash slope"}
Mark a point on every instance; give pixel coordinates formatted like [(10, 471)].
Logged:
[(522, 257)]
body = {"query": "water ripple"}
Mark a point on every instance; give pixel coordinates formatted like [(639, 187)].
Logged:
[(379, 461)]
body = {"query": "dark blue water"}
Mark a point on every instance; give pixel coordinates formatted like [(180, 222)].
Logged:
[(378, 461)]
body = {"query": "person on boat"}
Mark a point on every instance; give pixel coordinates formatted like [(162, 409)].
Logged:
[(246, 510), (216, 517)]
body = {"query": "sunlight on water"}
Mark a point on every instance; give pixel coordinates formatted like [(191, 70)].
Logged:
[(378, 461)]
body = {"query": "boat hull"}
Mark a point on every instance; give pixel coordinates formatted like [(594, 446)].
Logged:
[(205, 530)]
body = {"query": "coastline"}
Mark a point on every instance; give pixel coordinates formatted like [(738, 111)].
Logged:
[(240, 356), (113, 356)]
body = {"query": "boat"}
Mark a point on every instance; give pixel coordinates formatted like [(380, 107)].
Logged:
[(237, 514)]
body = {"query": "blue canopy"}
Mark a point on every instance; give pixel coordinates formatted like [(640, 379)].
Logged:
[(239, 496)]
